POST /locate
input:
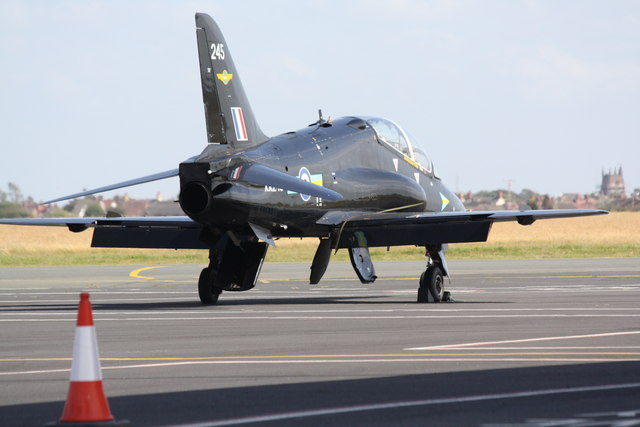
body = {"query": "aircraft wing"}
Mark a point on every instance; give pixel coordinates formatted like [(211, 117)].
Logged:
[(360, 229), (149, 178), (354, 228), (168, 232)]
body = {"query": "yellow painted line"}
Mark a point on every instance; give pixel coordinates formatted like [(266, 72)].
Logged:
[(336, 356), (331, 356), (136, 273)]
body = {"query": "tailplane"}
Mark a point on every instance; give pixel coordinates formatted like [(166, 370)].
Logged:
[(229, 117)]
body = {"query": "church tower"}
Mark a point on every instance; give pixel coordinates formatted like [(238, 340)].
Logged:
[(612, 183)]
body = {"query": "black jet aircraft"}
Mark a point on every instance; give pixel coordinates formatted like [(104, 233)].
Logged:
[(353, 183)]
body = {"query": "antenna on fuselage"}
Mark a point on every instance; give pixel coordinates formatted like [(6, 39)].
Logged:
[(322, 122)]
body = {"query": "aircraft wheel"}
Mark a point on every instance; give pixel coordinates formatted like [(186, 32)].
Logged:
[(423, 294), (208, 294), (431, 283)]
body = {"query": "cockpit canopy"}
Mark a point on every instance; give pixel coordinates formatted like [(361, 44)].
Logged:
[(397, 138)]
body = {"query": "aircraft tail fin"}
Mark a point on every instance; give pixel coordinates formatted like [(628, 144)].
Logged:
[(229, 117)]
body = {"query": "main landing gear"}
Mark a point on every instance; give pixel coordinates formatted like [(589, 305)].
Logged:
[(233, 266), (432, 280)]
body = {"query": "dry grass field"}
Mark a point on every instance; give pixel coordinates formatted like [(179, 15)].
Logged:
[(614, 235), (37, 246)]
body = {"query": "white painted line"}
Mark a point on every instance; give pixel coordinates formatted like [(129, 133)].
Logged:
[(198, 309), (617, 414), (358, 361), (608, 347), (96, 292), (406, 404), (222, 309), (568, 337), (45, 371), (320, 318), (45, 302)]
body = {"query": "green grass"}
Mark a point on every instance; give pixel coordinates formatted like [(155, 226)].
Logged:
[(305, 252)]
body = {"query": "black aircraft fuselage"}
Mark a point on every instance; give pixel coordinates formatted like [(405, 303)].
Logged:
[(345, 155)]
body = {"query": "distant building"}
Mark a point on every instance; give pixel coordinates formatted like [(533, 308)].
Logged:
[(160, 208), (613, 184)]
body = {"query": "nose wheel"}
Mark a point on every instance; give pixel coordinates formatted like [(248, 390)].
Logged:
[(432, 279), (431, 285)]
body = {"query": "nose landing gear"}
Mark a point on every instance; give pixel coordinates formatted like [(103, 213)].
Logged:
[(432, 279)]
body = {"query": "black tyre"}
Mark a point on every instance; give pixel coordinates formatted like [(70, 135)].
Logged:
[(431, 283), (423, 294), (208, 294), (435, 282)]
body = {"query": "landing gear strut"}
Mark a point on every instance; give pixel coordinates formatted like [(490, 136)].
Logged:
[(233, 266), (432, 280)]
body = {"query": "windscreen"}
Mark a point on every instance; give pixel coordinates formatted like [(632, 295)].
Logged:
[(390, 133)]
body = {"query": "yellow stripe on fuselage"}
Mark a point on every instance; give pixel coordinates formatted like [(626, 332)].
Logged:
[(411, 162)]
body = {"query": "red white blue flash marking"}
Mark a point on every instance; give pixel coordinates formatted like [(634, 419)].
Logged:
[(238, 124)]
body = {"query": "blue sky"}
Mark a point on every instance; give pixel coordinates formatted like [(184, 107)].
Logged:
[(543, 93)]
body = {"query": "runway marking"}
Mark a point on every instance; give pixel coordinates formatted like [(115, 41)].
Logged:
[(97, 292), (568, 337), (471, 276), (248, 311), (582, 276), (432, 359), (207, 315), (316, 357), (323, 318), (605, 347), (408, 403), (47, 371), (306, 311), (136, 273)]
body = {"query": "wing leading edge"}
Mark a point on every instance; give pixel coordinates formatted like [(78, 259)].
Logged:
[(149, 178), (360, 229)]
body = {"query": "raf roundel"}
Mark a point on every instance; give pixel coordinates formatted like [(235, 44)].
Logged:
[(304, 175)]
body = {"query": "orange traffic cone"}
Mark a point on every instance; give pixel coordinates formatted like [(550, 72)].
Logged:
[(86, 401)]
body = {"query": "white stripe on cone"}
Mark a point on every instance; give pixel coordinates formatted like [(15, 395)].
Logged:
[(86, 359)]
